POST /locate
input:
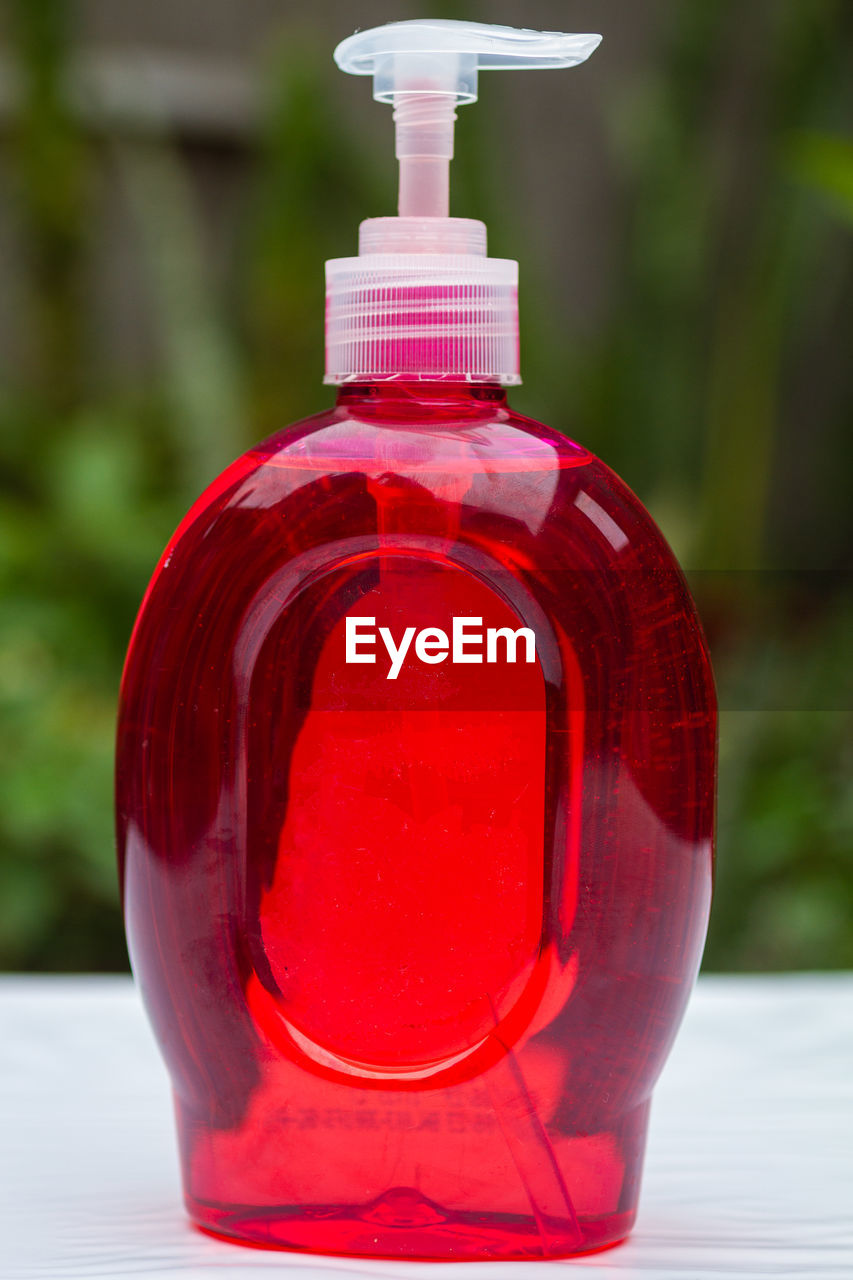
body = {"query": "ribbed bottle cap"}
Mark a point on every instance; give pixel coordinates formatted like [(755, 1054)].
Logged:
[(422, 314)]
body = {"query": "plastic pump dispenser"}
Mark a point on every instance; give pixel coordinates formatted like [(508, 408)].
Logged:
[(422, 300), (415, 771)]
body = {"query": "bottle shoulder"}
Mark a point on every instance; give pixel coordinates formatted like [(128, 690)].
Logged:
[(392, 470), (466, 437)]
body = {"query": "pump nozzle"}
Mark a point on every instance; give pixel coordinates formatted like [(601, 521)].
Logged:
[(425, 68)]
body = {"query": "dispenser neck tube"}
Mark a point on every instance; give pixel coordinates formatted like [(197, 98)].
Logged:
[(424, 129)]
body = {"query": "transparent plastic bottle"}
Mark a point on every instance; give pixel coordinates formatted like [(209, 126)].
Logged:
[(415, 793)]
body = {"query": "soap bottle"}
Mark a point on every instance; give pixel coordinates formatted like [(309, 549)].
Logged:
[(416, 770)]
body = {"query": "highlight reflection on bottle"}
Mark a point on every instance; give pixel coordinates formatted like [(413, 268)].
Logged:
[(415, 793)]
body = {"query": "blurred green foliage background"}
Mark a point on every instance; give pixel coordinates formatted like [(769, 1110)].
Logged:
[(716, 377)]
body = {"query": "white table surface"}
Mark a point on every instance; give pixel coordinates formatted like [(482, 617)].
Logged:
[(749, 1171)]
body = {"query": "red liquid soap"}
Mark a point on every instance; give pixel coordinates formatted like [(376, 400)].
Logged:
[(416, 762), (415, 934)]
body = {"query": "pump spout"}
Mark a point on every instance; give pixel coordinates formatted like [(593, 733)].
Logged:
[(426, 68)]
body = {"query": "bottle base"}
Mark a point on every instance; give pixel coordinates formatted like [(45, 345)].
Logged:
[(403, 1224)]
